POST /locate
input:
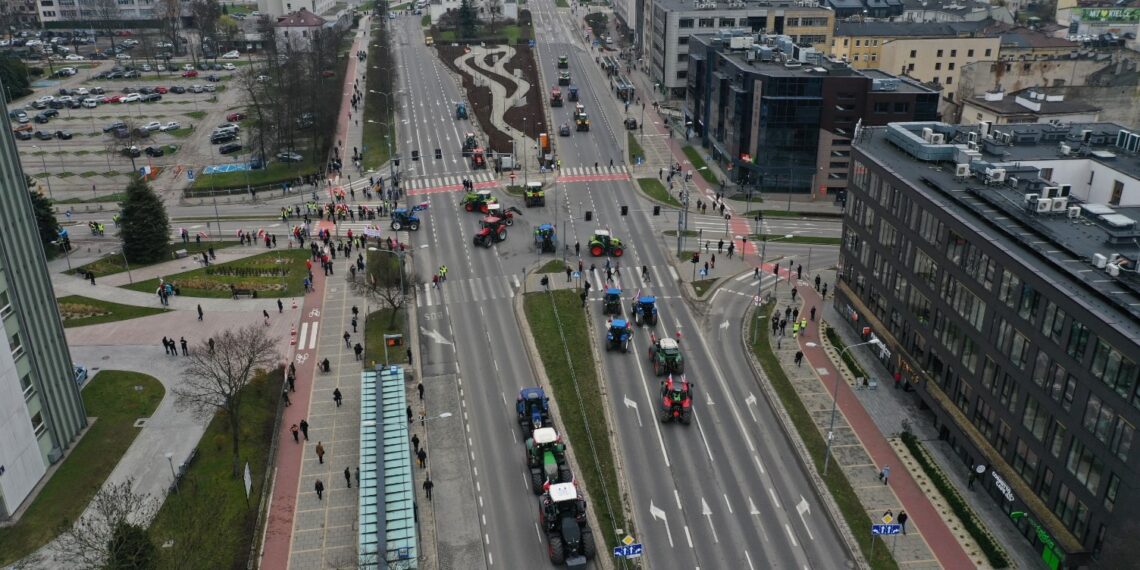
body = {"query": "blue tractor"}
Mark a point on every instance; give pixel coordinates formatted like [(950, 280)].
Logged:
[(619, 335), (533, 408), (645, 311), (545, 239), (402, 218), (612, 301)]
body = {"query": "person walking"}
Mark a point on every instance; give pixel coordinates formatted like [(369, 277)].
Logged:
[(305, 429), (813, 314), (348, 477), (803, 327), (799, 358), (265, 314), (358, 350), (337, 396), (320, 487), (903, 517), (285, 395), (885, 474), (817, 280), (409, 410), (422, 456), (794, 293), (296, 433), (353, 324), (280, 306), (185, 347), (428, 486), (320, 452), (420, 389), (416, 444), (211, 344), (166, 345), (200, 313)]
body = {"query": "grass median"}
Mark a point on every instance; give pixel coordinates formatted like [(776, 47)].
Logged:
[(837, 483), (274, 173), (79, 311), (113, 262), (208, 522), (699, 164), (262, 273), (375, 327), (545, 312), (656, 190), (635, 149), (115, 399)]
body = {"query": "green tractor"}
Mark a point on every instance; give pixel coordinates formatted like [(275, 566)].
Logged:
[(665, 356), (563, 62), (478, 201), (546, 458), (469, 144), (534, 196), (602, 243)]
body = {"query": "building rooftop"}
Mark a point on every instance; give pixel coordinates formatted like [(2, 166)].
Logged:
[(911, 29), (1025, 38), (948, 6), (1036, 101), (300, 19), (743, 5), (985, 177)]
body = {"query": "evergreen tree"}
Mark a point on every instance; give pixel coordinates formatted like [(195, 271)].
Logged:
[(45, 219), (144, 227), (468, 19)]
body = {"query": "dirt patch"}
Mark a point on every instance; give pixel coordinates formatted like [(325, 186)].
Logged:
[(532, 111), (480, 99)]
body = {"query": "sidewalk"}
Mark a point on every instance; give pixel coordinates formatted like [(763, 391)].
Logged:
[(859, 447)]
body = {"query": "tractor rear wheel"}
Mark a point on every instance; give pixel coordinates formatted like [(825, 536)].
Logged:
[(596, 250), (666, 416), (414, 226), (617, 251), (557, 554), (589, 549), (686, 418), (680, 367), (536, 481), (502, 235), (469, 207), (564, 474), (396, 226)]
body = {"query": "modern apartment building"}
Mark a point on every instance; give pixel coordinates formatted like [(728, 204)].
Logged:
[(80, 11), (674, 22), (998, 264), (41, 410), (781, 118)]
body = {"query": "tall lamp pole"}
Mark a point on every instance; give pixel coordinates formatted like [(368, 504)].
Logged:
[(43, 162), (835, 399)]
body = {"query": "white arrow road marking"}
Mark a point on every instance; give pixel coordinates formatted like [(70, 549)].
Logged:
[(707, 513), (708, 398), (804, 508), (660, 514), (723, 329), (752, 510), (632, 404), (436, 336), (748, 403)]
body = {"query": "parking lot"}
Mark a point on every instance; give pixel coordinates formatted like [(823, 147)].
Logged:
[(75, 153)]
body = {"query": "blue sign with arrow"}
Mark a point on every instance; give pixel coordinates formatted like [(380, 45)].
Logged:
[(881, 529), (628, 551)]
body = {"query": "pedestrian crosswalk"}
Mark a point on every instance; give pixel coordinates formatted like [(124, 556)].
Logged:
[(434, 184), (478, 289), (592, 174), (472, 290)]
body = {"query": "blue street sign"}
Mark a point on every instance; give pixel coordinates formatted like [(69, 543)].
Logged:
[(703, 273), (878, 529), (631, 551), (189, 173), (530, 43), (576, 274)]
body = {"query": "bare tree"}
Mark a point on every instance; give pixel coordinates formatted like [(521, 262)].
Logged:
[(107, 15), (494, 9), (111, 530), (206, 14), (385, 279), (169, 15), (215, 380)]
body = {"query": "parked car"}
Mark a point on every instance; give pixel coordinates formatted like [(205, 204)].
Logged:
[(171, 126), (90, 103), (289, 156), (24, 128), (114, 125), (98, 91), (190, 73), (227, 127), (188, 67), (154, 151), (161, 90), (122, 57), (229, 148), (112, 98), (74, 57), (21, 116), (151, 97), (44, 135), (132, 98), (196, 89), (23, 135), (213, 78), (146, 67), (235, 117), (132, 151), (151, 126), (231, 55), (132, 74), (229, 67), (177, 89), (219, 138), (63, 135), (209, 88)]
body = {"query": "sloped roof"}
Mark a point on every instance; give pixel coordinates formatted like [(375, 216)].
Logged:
[(300, 19)]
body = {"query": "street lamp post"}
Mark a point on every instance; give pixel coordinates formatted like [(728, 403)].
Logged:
[(835, 399), (130, 279), (760, 284), (173, 476), (43, 162)]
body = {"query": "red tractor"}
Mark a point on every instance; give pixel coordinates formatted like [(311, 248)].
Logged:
[(478, 158), (676, 400), (507, 214), (491, 230)]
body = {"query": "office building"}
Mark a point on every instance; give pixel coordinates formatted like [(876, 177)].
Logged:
[(998, 264), (780, 118), (1033, 105), (674, 22), (41, 409)]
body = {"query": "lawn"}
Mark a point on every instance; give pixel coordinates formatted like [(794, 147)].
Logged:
[(699, 164), (840, 488), (261, 273), (702, 286), (656, 190), (113, 262), (379, 125), (274, 173), (569, 366), (806, 240), (788, 214), (78, 311), (375, 327), (562, 3), (110, 197), (553, 266), (110, 397), (425, 21), (209, 522), (635, 149)]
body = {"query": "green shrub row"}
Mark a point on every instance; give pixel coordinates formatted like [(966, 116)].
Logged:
[(848, 359)]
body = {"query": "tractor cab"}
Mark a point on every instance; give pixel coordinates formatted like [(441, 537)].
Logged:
[(612, 301), (564, 130), (546, 458), (563, 62), (555, 97), (564, 78), (478, 158), (602, 243), (469, 143), (545, 239), (579, 109), (507, 214), (478, 200), (491, 229), (533, 195), (676, 400), (645, 310), (573, 93), (460, 110), (402, 218), (665, 356), (619, 335), (533, 408)]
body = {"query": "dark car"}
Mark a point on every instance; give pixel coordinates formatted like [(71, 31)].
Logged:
[(115, 75), (101, 74), (146, 90), (98, 91), (177, 89), (132, 74), (229, 148), (50, 113), (216, 67), (41, 119), (154, 151), (132, 152), (289, 156), (44, 135), (213, 78), (23, 135), (57, 104), (63, 135), (219, 138), (114, 126), (151, 98), (39, 105), (75, 104)]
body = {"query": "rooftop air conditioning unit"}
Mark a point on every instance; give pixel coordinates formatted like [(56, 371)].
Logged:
[(937, 138), (1086, 134), (927, 132), (1074, 212), (1099, 260), (1066, 150), (995, 175), (1060, 204), (962, 170), (972, 145), (1113, 269), (1006, 138), (1031, 199), (1066, 189), (1051, 191), (972, 137), (1044, 205), (1012, 181)]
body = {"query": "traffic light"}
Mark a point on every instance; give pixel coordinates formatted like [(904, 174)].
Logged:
[(589, 215), (696, 258), (438, 153), (657, 210), (624, 210), (415, 155), (728, 216), (776, 269)]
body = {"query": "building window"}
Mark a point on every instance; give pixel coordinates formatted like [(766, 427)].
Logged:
[(949, 80), (38, 425), (5, 304), (913, 53), (950, 67), (683, 40), (938, 66), (685, 23), (1063, 387), (1085, 465), (27, 387), (1110, 491), (706, 23), (902, 107), (910, 67), (855, 57), (953, 53), (1034, 418), (1078, 341), (1004, 435), (1115, 370), (1045, 484), (988, 52), (1066, 506), (939, 53), (858, 43), (17, 345), (682, 74), (970, 53), (1025, 462), (1053, 324), (1058, 441), (882, 107)]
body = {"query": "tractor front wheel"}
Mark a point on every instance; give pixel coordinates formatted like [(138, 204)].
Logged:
[(502, 235), (487, 242), (596, 250), (509, 221), (617, 251), (414, 226), (469, 207), (396, 226)]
